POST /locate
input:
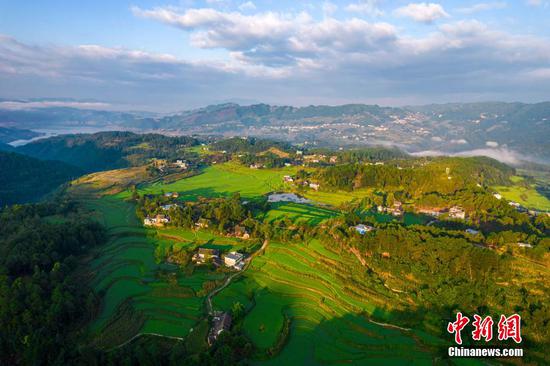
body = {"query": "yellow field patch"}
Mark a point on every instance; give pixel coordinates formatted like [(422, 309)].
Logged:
[(113, 181)]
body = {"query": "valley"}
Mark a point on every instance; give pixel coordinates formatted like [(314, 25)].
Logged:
[(308, 282), (339, 256), (301, 285), (515, 132), (273, 183)]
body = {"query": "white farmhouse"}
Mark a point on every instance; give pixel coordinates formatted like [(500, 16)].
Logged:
[(457, 212), (182, 164), (314, 186), (233, 259)]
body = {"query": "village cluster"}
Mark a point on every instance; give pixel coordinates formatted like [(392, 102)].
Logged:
[(162, 219), (520, 208), (164, 166), (204, 255), (400, 128), (300, 159), (221, 322), (304, 183), (234, 260)]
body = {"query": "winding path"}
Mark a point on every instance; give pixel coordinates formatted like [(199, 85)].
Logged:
[(143, 334), (228, 280), (208, 298)]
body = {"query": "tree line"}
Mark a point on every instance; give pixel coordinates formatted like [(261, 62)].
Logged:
[(42, 299)]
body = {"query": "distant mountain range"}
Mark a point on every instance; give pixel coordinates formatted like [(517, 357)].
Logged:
[(508, 131)]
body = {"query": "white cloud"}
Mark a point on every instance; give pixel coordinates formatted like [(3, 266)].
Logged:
[(291, 58), (491, 144), (280, 40), (482, 7), (329, 8), (367, 7), (539, 73), (538, 3), (118, 75), (456, 59), (503, 155), (22, 105), (422, 12), (247, 6), (274, 38)]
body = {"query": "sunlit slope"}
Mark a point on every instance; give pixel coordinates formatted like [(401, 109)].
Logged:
[(221, 180), (310, 301), (140, 295), (304, 303), (525, 194)]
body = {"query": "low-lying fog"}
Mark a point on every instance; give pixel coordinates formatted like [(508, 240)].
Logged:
[(501, 154)]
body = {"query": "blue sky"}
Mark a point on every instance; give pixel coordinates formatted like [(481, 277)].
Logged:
[(172, 55)]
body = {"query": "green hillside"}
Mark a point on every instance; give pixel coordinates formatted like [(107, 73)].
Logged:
[(313, 288), (25, 179), (8, 134), (107, 150)]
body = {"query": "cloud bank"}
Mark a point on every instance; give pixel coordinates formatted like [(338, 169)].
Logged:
[(292, 58), (23, 105), (503, 155), (422, 12)]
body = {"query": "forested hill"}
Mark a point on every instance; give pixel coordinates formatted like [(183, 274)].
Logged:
[(6, 147), (43, 303), (417, 177), (107, 150), (8, 134), (25, 179), (249, 145)]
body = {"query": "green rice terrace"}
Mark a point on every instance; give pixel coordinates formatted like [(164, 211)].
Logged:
[(312, 307), (295, 284), (297, 300), (299, 212), (141, 296), (525, 194), (222, 180)]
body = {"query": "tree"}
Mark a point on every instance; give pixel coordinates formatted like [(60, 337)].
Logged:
[(237, 310)]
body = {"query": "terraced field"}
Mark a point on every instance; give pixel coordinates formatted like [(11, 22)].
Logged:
[(313, 215), (139, 295), (313, 293), (526, 195), (180, 237), (222, 180), (338, 197), (304, 303)]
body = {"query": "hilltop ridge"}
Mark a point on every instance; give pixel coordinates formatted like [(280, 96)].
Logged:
[(509, 131)]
